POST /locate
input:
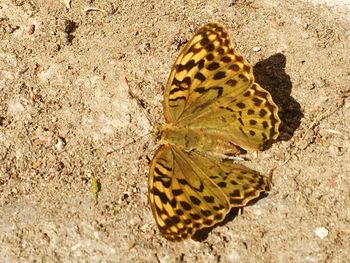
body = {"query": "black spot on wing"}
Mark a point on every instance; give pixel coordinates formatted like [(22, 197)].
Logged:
[(250, 112), (169, 169), (231, 82), (252, 133), (210, 47), (195, 200), (246, 68), (240, 105), (210, 57), (221, 51), (185, 205), (208, 222), (200, 90), (218, 217), (226, 59), (234, 67), (204, 41), (178, 88), (257, 101), (177, 192), (200, 64), (222, 184), (178, 98), (262, 113), (213, 66), (219, 75), (195, 216), (252, 122), (239, 58), (235, 193), (161, 195), (163, 180), (200, 76), (170, 221), (209, 199), (219, 90), (188, 66), (179, 212), (206, 212)]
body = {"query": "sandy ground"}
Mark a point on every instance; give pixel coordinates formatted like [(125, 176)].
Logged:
[(66, 119)]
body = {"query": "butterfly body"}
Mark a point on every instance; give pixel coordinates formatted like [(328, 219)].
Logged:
[(206, 141), (213, 108)]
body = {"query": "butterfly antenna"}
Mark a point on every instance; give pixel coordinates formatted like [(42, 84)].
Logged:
[(139, 102), (132, 142), (141, 105)]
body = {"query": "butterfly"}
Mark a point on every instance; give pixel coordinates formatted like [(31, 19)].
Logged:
[(213, 109)]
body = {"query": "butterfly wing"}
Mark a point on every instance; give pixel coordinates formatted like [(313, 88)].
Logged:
[(248, 120), (239, 183), (189, 191), (201, 62), (211, 87), (182, 199)]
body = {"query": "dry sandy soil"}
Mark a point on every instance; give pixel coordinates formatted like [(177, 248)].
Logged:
[(67, 119)]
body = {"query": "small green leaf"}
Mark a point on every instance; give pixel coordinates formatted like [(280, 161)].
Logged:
[(95, 187)]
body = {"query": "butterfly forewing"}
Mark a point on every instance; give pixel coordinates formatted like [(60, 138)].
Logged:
[(182, 204), (199, 73), (212, 87)]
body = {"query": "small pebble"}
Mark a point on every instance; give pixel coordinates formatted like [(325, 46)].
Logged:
[(256, 49), (321, 232), (334, 150), (60, 144), (31, 29), (36, 165), (15, 107), (66, 3)]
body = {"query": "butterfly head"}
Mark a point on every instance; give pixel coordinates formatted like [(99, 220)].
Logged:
[(156, 131)]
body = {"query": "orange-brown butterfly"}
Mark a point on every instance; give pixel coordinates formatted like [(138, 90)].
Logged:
[(212, 108)]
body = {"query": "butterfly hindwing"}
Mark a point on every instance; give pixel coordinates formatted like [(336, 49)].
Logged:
[(239, 183), (248, 120)]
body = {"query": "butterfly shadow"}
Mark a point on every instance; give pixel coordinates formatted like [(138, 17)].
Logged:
[(202, 234), (270, 74)]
